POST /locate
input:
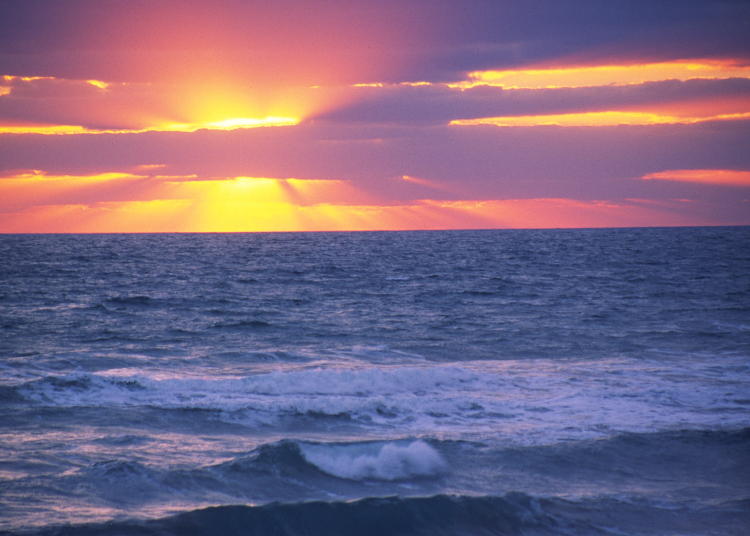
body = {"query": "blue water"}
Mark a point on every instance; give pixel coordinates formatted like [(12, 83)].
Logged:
[(458, 382)]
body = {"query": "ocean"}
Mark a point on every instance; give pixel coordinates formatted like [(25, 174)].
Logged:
[(500, 382)]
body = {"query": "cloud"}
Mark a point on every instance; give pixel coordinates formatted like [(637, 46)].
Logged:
[(482, 161), (57, 106), (60, 106), (570, 76), (440, 104), (713, 177), (347, 41), (371, 89)]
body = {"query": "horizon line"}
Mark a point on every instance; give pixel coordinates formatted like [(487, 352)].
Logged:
[(340, 231)]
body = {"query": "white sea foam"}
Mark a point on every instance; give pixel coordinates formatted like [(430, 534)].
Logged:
[(535, 401), (388, 461)]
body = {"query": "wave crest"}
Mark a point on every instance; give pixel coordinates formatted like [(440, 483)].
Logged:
[(389, 461)]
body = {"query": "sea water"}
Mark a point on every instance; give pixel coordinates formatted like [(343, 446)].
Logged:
[(458, 382)]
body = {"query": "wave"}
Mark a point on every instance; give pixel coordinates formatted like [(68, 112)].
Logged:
[(439, 515), (388, 461), (528, 402), (295, 469), (624, 477), (326, 464), (283, 470)]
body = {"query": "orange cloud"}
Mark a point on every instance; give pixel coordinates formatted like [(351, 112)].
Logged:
[(233, 123), (719, 177), (597, 119), (599, 75), (31, 188), (155, 67), (664, 113), (101, 107)]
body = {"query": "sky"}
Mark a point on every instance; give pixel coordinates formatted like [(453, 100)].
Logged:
[(338, 115)]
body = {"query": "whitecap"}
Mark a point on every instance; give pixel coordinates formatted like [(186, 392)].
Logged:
[(376, 461)]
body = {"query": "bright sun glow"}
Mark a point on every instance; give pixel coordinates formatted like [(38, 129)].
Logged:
[(39, 202), (236, 123), (98, 83)]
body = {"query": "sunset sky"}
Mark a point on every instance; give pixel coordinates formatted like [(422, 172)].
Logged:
[(250, 115)]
